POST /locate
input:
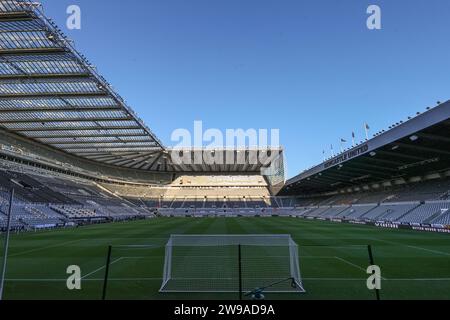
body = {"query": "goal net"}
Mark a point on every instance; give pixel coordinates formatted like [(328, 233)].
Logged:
[(231, 263)]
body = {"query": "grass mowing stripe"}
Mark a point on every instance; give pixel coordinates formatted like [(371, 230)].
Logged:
[(413, 247), (101, 268), (413, 274), (160, 278), (354, 265), (111, 263), (45, 248)]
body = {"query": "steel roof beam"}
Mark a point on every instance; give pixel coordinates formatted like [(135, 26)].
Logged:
[(62, 109), (338, 175), (399, 155), (54, 94), (107, 149), (357, 167), (103, 157), (378, 160), (114, 153), (16, 19), (25, 30), (39, 76), (141, 156), (119, 142), (120, 135), (121, 162), (374, 166), (103, 145), (22, 51), (137, 158), (74, 128), (15, 15), (433, 137), (36, 120), (86, 120), (426, 149), (148, 166), (143, 161)]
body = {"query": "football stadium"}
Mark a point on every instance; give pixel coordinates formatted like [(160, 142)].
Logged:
[(86, 185)]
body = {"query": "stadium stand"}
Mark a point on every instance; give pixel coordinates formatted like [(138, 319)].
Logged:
[(355, 211), (429, 212), (46, 201), (76, 153)]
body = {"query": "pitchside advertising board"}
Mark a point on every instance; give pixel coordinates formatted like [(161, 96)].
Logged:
[(417, 227)]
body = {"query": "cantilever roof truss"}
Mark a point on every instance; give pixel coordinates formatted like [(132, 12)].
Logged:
[(51, 93)]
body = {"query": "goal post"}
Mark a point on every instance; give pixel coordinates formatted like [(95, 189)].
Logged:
[(231, 263)]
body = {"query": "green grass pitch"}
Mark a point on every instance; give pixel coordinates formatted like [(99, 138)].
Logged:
[(333, 259)]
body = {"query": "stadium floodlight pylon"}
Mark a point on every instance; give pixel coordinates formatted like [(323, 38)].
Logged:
[(231, 263)]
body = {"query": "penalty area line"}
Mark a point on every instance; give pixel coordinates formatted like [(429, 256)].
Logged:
[(104, 266), (437, 252), (159, 278), (354, 265), (46, 247)]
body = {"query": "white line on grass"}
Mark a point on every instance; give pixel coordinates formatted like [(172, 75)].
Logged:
[(46, 247), (413, 247), (350, 263), (159, 278), (139, 257), (354, 265), (429, 250), (103, 267), (137, 246), (314, 257), (390, 279)]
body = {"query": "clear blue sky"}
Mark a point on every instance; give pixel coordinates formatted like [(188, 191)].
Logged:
[(309, 68)]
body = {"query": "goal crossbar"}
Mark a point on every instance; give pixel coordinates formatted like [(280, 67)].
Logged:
[(211, 263)]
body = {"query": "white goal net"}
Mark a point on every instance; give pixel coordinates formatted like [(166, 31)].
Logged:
[(231, 263)]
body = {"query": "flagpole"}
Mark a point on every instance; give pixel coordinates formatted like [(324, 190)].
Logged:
[(342, 144), (366, 128)]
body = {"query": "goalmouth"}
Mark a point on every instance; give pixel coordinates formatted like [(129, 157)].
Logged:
[(231, 263)]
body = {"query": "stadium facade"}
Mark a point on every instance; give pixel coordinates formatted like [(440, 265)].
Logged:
[(75, 152)]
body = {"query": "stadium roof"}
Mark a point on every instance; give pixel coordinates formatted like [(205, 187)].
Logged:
[(416, 147), (50, 93)]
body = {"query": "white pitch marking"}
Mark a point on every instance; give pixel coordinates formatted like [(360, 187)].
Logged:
[(354, 265), (47, 247), (102, 267), (413, 247), (159, 278)]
